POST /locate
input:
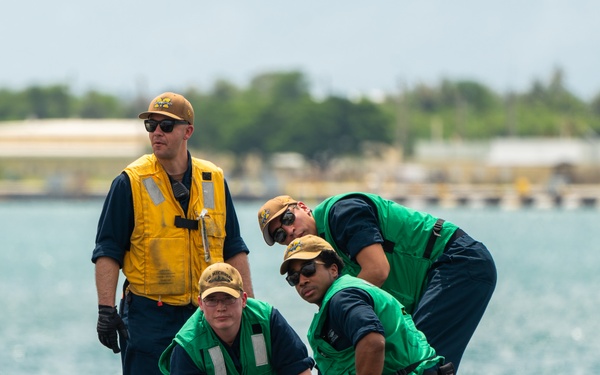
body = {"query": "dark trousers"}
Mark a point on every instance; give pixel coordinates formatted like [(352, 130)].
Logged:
[(151, 329), (460, 285)]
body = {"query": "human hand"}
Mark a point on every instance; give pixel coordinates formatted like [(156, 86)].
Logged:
[(109, 322)]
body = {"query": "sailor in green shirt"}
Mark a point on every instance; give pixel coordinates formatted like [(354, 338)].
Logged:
[(359, 328), (231, 334), (442, 276)]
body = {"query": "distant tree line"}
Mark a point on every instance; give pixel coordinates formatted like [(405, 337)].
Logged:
[(277, 113)]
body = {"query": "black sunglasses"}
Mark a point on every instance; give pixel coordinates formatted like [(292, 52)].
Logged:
[(286, 219), (165, 125), (307, 270)]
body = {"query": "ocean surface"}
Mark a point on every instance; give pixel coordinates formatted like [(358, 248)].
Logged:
[(543, 318)]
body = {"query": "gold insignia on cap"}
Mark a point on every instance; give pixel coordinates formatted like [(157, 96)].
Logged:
[(264, 216), (296, 245), (163, 103), (219, 277)]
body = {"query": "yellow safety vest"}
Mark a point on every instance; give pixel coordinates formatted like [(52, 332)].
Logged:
[(168, 246)]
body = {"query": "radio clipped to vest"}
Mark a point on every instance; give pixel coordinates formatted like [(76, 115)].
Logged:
[(179, 190)]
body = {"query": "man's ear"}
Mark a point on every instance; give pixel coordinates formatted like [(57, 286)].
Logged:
[(188, 132), (303, 206), (334, 270)]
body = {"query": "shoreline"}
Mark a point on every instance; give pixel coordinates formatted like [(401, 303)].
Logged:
[(411, 195)]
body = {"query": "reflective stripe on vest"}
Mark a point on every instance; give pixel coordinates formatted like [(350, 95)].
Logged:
[(260, 354), (260, 349), (218, 361)]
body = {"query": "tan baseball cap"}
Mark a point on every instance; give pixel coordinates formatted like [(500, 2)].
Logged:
[(172, 105), (221, 277), (271, 210), (304, 248)]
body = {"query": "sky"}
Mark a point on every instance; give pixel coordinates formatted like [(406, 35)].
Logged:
[(347, 47)]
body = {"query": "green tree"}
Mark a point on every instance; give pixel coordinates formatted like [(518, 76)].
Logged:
[(49, 102), (270, 110), (276, 113), (551, 110), (339, 127), (12, 106), (94, 104)]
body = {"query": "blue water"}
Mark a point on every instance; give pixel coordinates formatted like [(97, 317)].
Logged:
[(543, 316)]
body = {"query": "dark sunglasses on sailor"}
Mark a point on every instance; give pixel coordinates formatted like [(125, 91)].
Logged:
[(286, 219), (307, 270), (166, 125)]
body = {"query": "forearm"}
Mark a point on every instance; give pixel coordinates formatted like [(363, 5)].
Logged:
[(370, 354), (107, 277), (241, 263)]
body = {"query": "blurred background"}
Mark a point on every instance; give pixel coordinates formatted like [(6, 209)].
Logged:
[(486, 114), (462, 103)]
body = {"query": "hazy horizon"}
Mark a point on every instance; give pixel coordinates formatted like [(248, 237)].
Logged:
[(346, 47)]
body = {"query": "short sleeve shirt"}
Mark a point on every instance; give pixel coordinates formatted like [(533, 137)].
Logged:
[(354, 224), (350, 317)]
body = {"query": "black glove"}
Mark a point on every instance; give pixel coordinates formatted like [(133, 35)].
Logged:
[(109, 322), (447, 369)]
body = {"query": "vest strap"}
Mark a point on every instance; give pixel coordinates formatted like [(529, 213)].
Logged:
[(388, 246), (181, 222), (435, 233)]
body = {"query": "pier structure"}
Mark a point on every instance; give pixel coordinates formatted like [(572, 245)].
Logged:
[(78, 158)]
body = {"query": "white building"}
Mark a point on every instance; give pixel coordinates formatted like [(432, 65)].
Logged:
[(67, 156)]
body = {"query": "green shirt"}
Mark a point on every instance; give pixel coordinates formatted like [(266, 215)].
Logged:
[(404, 344), (406, 233), (206, 350)]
